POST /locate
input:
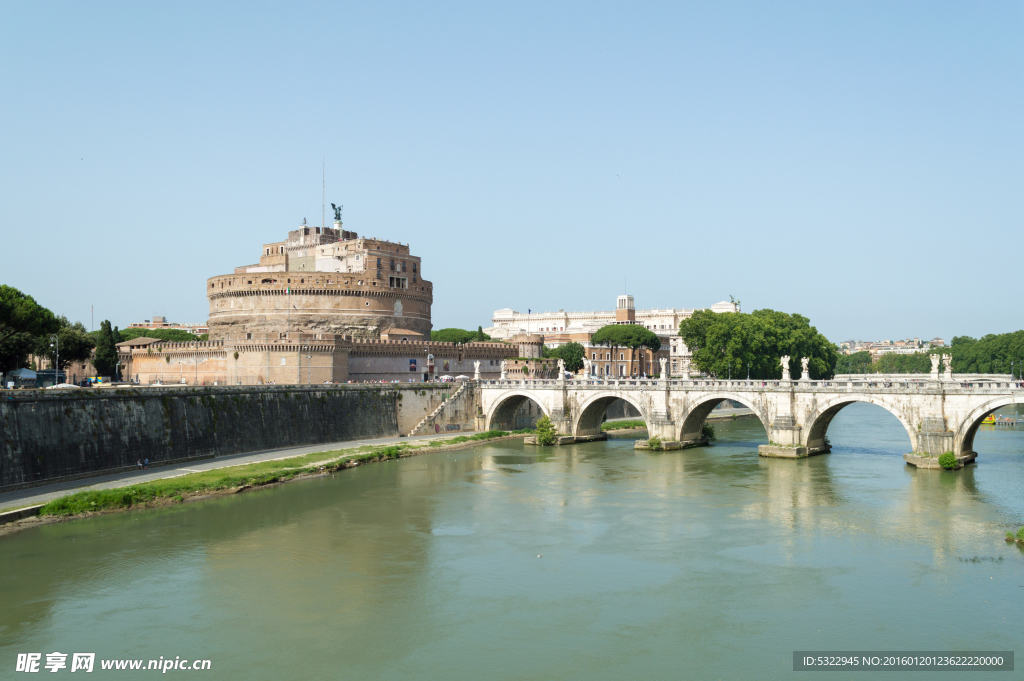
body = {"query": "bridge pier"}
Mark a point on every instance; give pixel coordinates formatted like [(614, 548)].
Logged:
[(786, 441)]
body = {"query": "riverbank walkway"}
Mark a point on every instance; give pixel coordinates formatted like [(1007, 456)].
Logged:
[(34, 496)]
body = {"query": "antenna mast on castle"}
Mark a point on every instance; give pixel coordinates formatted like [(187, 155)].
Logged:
[(323, 195)]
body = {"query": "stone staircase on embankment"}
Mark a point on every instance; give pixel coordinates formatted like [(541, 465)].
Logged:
[(437, 412)]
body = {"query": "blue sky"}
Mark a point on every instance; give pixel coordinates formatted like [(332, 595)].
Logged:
[(859, 163)]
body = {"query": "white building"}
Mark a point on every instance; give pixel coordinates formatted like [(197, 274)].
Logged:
[(561, 326)]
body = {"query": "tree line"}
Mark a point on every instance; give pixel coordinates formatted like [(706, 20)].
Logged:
[(992, 354), (725, 344), (27, 330)]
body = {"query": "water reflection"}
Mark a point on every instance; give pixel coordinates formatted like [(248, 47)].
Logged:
[(493, 562)]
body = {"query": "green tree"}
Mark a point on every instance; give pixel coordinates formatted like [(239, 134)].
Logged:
[(727, 343), (480, 335), (545, 431), (989, 354), (854, 363), (571, 353), (20, 313), (631, 336), (105, 357), (453, 335), (75, 344), (915, 363), (14, 351)]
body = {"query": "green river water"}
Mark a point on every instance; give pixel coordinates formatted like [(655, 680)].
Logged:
[(587, 562)]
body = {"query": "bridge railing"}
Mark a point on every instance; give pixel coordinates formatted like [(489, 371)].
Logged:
[(905, 386)]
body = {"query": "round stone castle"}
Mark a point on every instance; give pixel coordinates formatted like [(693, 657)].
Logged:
[(324, 280)]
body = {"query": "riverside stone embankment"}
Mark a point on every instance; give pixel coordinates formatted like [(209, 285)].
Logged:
[(46, 436)]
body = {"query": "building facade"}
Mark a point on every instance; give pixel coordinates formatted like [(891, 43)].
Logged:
[(563, 327), (159, 322)]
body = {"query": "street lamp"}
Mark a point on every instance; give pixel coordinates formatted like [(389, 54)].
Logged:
[(56, 364)]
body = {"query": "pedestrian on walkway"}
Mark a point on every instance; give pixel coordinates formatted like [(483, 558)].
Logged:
[(138, 464), (145, 464)]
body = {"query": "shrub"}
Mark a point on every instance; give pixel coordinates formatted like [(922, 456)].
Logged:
[(1020, 535), (708, 431), (654, 443), (948, 461), (545, 431)]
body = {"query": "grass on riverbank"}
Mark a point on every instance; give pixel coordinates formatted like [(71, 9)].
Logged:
[(245, 475), (624, 425)]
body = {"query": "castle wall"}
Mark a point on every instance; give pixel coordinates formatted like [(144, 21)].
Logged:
[(316, 302), (193, 363), (52, 435), (308, 359)]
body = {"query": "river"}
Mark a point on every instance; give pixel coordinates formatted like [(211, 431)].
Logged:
[(591, 561)]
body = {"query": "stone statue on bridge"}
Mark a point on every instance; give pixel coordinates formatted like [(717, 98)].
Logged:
[(935, 366), (948, 361), (586, 367), (664, 371), (476, 370), (504, 370), (784, 361), (805, 373), (561, 369)]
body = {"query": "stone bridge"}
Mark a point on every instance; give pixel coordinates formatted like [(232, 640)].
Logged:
[(940, 415)]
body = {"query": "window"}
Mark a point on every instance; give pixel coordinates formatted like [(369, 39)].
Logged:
[(621, 356), (593, 355), (414, 267), (403, 265), (378, 263), (392, 264), (284, 362), (398, 282)]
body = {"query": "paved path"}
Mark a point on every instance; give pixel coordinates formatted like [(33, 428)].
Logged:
[(45, 493), (729, 411)]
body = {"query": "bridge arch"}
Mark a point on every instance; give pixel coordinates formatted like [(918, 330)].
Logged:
[(818, 421), (591, 412), (963, 440), (503, 410), (692, 421)]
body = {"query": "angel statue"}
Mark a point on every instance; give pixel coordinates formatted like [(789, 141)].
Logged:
[(561, 369), (337, 212), (785, 367)]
